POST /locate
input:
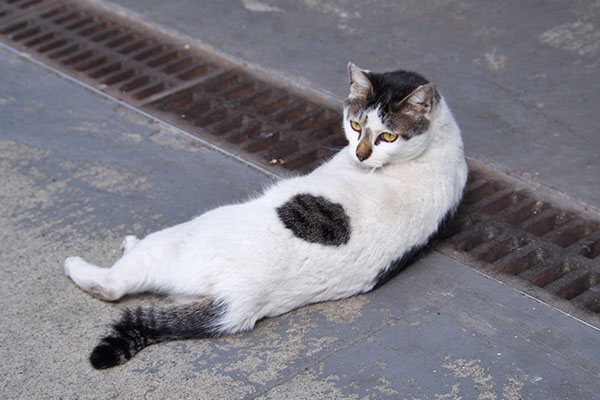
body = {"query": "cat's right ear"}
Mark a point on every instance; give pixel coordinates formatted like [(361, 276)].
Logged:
[(360, 85)]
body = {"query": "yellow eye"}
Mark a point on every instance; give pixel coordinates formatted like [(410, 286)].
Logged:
[(356, 126), (388, 137)]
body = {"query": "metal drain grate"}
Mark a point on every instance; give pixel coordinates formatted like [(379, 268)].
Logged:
[(271, 125), (500, 229), (511, 233), (189, 88), (130, 64)]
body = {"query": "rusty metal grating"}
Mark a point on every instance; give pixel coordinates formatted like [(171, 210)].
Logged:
[(191, 89), (128, 63), (272, 126), (499, 228), (510, 232)]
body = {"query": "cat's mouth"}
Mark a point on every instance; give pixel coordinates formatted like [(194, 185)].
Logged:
[(369, 165)]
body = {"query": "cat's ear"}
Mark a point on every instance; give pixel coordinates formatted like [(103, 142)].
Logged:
[(360, 85), (419, 102)]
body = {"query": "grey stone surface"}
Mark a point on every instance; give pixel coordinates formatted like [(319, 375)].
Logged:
[(78, 172), (521, 77)]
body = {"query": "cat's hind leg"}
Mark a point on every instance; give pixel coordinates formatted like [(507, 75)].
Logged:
[(96, 280), (147, 265), (91, 278), (137, 271), (128, 243)]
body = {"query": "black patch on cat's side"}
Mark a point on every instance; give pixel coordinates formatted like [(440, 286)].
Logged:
[(316, 220), (412, 255)]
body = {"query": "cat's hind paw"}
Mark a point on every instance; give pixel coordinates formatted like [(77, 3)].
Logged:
[(71, 264), (128, 243), (90, 278)]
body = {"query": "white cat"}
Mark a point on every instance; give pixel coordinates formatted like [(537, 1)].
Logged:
[(331, 234)]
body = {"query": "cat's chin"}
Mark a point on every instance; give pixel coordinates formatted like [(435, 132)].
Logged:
[(369, 164)]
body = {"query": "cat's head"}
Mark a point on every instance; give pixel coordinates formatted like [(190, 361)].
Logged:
[(388, 116)]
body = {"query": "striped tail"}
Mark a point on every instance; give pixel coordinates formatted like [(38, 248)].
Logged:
[(142, 326)]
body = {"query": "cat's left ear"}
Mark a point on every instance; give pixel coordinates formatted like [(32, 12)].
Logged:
[(420, 102)]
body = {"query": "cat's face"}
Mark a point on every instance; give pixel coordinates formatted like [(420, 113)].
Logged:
[(387, 116)]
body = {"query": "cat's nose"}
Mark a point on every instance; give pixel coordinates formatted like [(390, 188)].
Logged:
[(362, 155)]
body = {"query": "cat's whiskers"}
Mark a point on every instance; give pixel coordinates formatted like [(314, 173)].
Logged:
[(333, 148)]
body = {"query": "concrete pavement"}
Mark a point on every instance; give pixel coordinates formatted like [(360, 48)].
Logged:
[(79, 171)]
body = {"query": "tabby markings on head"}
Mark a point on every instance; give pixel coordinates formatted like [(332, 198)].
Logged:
[(316, 220)]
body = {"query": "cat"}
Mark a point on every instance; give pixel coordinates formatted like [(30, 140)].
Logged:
[(336, 232)]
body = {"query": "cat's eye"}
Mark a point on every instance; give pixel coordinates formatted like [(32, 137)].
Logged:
[(388, 137), (356, 126)]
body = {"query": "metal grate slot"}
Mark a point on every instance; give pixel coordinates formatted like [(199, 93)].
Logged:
[(549, 275), (40, 39), (105, 34), (67, 18), (122, 39), (12, 9), (477, 238), (81, 23), (575, 283), (98, 27), (591, 250), (504, 202), (590, 300), (84, 55), (504, 248), (481, 192), (548, 222), (120, 76), (534, 258), (573, 235), (90, 64), (531, 210), (53, 12), (98, 72), (65, 51), (13, 28)]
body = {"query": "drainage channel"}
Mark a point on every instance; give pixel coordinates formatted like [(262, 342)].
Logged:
[(185, 86), (502, 228)]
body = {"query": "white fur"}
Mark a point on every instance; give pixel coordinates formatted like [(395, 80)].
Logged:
[(243, 255)]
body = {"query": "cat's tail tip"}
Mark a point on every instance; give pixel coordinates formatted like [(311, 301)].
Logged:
[(106, 355)]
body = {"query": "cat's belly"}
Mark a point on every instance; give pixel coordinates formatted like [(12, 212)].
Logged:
[(247, 248)]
